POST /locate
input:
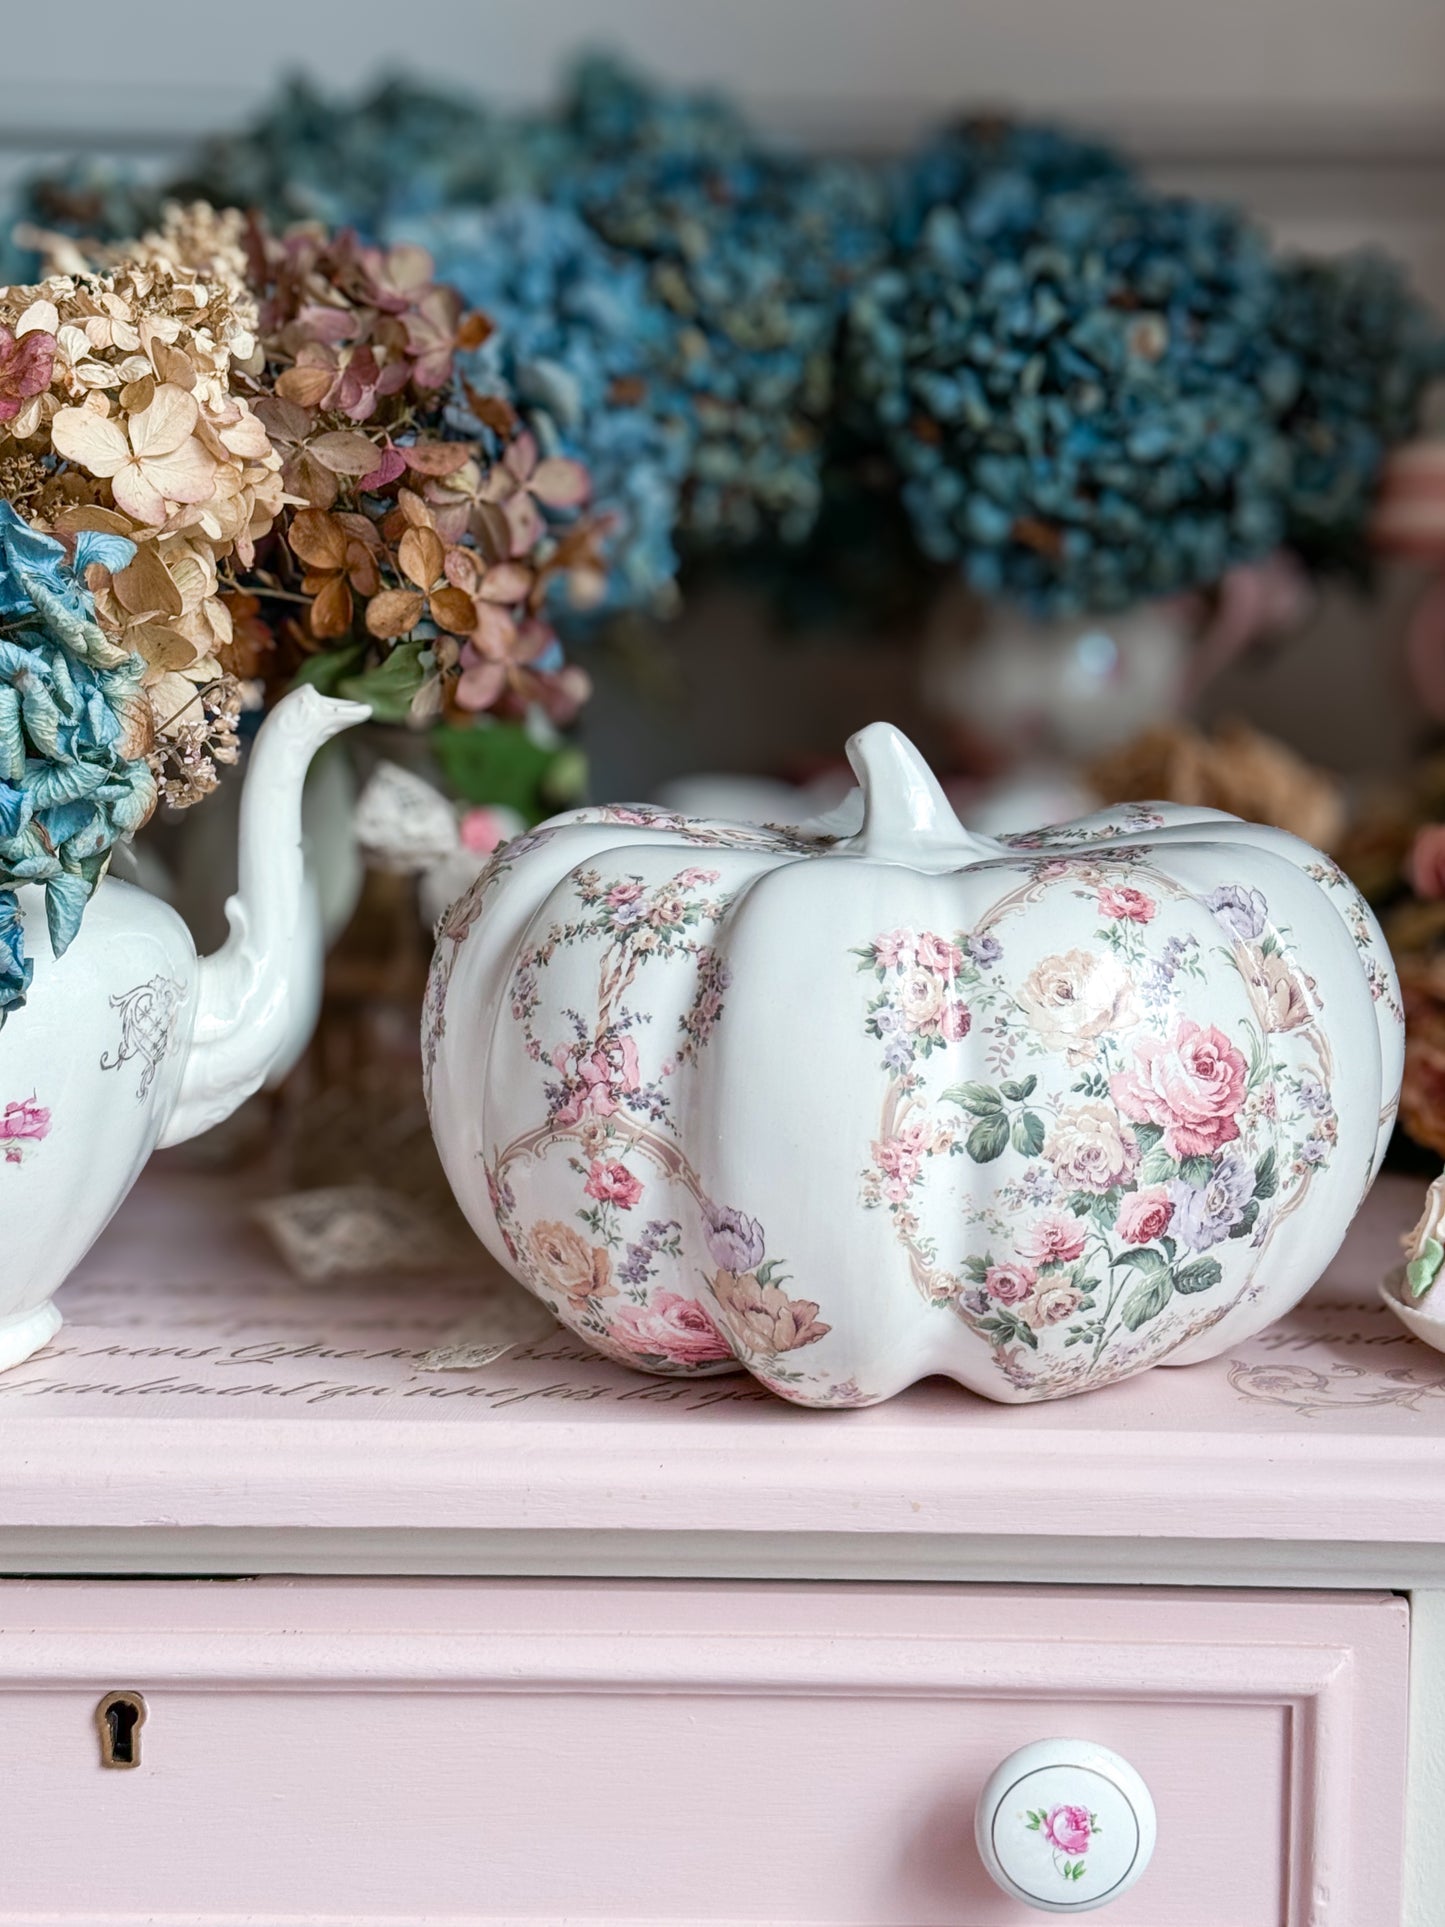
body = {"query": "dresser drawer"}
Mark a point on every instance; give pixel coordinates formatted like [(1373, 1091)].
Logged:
[(489, 1752)]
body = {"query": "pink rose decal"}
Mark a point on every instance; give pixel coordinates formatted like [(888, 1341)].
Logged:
[(900, 1159), (1010, 1283), (671, 1327), (1069, 1829), (955, 1021), (1054, 1241), (1127, 904), (1145, 1215), (613, 1183), (937, 954), (897, 947), (21, 1125), (1193, 1086)]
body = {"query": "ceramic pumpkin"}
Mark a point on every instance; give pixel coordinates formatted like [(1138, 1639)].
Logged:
[(852, 1106)]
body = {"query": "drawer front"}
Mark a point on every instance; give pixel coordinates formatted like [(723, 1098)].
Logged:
[(497, 1752)]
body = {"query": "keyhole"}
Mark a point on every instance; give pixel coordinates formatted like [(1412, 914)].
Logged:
[(119, 1719)]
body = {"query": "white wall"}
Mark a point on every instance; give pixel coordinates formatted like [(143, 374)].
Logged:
[(1377, 66)]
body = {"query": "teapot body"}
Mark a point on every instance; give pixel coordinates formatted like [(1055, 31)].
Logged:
[(854, 1108), (90, 1071), (128, 1041)]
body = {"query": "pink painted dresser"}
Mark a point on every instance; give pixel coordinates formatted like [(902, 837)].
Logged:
[(300, 1627)]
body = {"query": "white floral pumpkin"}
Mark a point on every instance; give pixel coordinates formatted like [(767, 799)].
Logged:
[(853, 1107)]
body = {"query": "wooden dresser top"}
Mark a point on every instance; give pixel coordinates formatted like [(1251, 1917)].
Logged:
[(194, 1385)]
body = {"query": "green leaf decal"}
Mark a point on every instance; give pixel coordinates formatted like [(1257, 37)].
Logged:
[(1022, 1088), (1248, 1221), (1203, 1274), (1028, 1134), (1266, 1177), (1422, 1272), (981, 1099), (988, 1137), (1147, 1300), (1148, 1135), (1157, 1167), (1146, 1259), (1197, 1171)]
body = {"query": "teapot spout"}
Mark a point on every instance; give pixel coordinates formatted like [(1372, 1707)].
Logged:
[(243, 990)]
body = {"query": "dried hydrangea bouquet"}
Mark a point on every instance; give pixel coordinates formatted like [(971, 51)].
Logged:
[(230, 461), (510, 375)]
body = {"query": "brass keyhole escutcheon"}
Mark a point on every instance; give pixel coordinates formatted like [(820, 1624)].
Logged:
[(119, 1719)]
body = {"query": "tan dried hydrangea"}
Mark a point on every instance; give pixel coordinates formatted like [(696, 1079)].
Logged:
[(140, 404)]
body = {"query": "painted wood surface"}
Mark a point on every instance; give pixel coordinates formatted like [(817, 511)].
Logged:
[(195, 1386), (499, 1753)]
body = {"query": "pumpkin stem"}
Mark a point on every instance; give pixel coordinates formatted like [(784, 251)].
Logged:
[(906, 816)]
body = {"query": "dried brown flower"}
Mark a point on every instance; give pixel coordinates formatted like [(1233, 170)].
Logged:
[(1238, 769)]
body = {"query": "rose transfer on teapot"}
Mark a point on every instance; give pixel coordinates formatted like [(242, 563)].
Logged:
[(851, 1106)]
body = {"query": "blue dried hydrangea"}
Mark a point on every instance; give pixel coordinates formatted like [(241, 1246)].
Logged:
[(752, 253), (86, 198), (1087, 391), (360, 163), (1366, 349), (71, 785), (583, 352), (991, 164)]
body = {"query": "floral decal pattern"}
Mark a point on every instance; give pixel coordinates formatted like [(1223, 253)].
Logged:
[(600, 1269), (1136, 1145), (1081, 1148), (762, 837), (23, 1125), (456, 925), (452, 932), (1069, 1831), (1361, 923), (147, 1028)]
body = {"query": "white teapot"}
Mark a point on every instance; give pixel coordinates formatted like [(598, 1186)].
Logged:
[(856, 1104), (128, 1042)]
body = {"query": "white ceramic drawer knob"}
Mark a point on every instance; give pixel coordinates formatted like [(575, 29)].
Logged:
[(1065, 1825)]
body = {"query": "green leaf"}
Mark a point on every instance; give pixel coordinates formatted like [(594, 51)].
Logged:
[(976, 1269), (329, 670), (1266, 1176), (1196, 1171), (987, 1139), (390, 686), (1021, 1088), (1148, 1135), (1157, 1167), (1028, 1134), (981, 1099), (496, 763), (1146, 1300), (1203, 1274)]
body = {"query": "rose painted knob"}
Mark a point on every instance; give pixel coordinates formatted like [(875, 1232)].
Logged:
[(1065, 1825)]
